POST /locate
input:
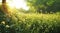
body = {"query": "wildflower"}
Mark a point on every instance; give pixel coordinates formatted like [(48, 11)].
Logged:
[(3, 22), (7, 26)]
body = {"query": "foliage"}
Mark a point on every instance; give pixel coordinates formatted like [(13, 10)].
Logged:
[(30, 23), (46, 6)]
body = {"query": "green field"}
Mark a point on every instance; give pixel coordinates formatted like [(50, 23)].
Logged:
[(31, 23)]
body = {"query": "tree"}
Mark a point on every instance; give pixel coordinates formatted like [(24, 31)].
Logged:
[(5, 8), (44, 5), (38, 5)]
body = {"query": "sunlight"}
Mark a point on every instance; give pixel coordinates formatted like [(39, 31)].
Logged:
[(18, 4), (0, 0)]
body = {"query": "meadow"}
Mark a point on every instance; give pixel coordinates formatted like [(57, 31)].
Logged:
[(30, 23), (20, 22)]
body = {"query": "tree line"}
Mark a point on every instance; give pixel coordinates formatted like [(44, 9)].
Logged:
[(44, 6)]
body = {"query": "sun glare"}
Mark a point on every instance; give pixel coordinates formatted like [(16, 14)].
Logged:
[(18, 4)]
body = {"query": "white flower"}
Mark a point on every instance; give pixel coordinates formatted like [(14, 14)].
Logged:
[(7, 26), (3, 22)]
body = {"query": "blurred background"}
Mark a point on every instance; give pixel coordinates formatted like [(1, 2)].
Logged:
[(29, 16)]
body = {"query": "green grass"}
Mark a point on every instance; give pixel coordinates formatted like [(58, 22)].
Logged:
[(31, 23), (37, 23)]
